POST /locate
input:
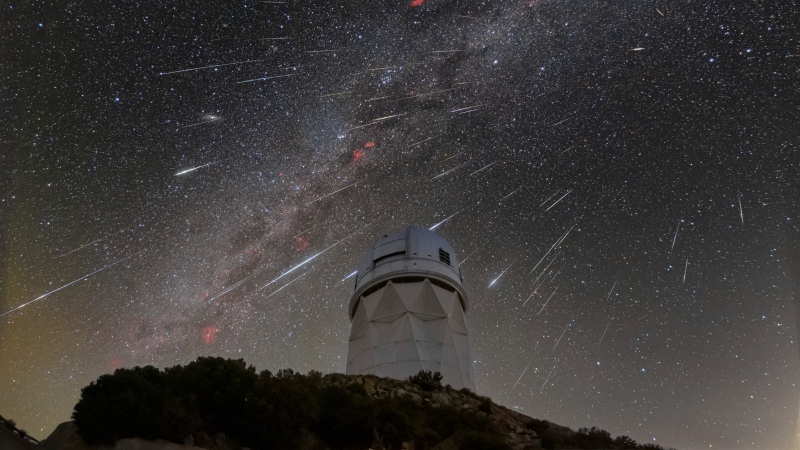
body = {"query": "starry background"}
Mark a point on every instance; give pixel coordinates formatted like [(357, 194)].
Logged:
[(629, 167)]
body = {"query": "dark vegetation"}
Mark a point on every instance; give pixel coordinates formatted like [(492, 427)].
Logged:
[(214, 397), (265, 411), (427, 380), (558, 437)]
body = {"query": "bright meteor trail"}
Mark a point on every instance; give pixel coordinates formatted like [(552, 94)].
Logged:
[(212, 66), (301, 264), (192, 169), (501, 274), (43, 296), (520, 375), (445, 220), (334, 192)]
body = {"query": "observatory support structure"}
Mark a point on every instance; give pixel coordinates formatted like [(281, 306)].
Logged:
[(408, 310)]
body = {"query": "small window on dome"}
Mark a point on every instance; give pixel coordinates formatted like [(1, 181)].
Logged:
[(444, 256)]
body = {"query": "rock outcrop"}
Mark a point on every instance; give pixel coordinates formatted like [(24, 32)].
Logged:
[(513, 423)]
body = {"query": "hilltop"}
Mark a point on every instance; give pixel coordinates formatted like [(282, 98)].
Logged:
[(220, 404)]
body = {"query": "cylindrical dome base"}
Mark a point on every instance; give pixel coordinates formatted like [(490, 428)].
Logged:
[(407, 324)]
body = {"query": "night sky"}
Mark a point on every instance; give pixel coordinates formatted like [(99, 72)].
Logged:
[(200, 177)]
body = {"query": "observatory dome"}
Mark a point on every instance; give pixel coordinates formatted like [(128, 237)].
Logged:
[(408, 310)]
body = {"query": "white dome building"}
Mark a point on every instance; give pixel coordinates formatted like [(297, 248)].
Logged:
[(408, 310)]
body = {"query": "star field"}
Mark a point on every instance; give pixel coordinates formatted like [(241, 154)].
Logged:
[(619, 180)]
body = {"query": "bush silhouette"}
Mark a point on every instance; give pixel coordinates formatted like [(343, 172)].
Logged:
[(265, 411), (126, 404), (427, 380)]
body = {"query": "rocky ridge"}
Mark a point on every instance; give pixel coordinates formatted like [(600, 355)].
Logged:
[(512, 423)]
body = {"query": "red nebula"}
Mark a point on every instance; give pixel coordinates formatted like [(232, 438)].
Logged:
[(209, 334), (369, 144), (113, 364), (358, 155), (415, 3), (301, 243)]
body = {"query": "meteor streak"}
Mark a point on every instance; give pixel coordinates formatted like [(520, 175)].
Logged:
[(429, 93), (685, 268), (211, 67), (484, 168), (350, 276), (45, 295), (388, 117), (266, 78), (376, 121), (609, 292), (468, 107), (741, 213), (285, 285), (548, 198), (520, 375), (313, 257), (425, 140), (676, 236), (532, 293), (82, 246), (469, 111), (232, 287), (307, 229), (548, 376), (557, 273), (451, 157), (208, 120), (338, 93), (548, 299), (562, 198), (338, 190), (562, 333), (451, 170), (604, 333), (445, 220), (509, 195), (465, 259), (362, 126), (192, 169), (559, 123), (501, 274), (560, 240), (567, 234), (545, 269), (619, 192)]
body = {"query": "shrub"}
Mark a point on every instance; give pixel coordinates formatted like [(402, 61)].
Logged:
[(625, 443), (128, 403), (485, 406), (427, 380)]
